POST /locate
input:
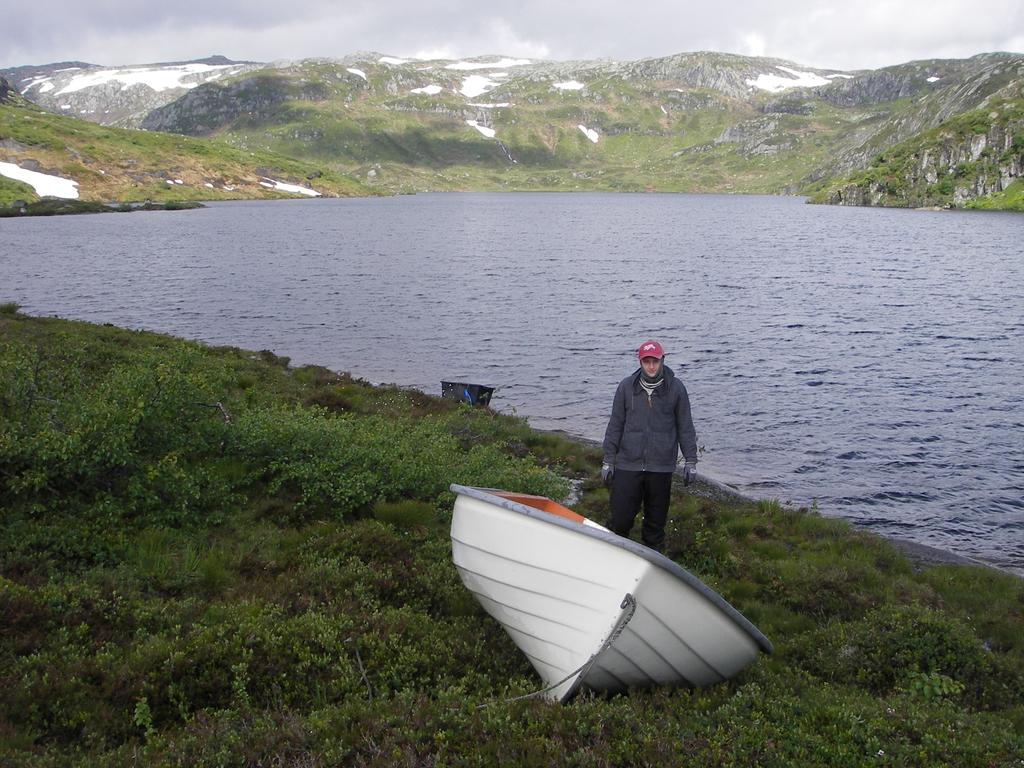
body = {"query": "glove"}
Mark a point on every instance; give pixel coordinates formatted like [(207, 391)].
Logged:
[(607, 472), (689, 473)]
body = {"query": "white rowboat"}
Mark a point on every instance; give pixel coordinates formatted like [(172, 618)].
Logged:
[(588, 607)]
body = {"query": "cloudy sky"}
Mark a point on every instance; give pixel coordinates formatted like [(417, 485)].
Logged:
[(850, 34)]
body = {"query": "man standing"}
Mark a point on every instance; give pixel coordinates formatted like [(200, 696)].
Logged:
[(649, 425)]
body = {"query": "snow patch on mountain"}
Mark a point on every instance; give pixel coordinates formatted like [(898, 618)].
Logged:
[(590, 133), (44, 184), (281, 186), (34, 81), (430, 90), (570, 85), (488, 132), (393, 60), (157, 78), (467, 65), (776, 83), (358, 72), (475, 85)]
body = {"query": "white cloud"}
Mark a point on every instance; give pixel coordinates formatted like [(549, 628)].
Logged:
[(432, 54), (753, 44), (812, 33)]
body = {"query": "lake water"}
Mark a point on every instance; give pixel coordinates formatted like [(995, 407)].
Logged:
[(867, 360)]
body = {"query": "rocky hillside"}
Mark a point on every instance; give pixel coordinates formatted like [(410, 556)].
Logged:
[(697, 122), (975, 159), (702, 122), (120, 96)]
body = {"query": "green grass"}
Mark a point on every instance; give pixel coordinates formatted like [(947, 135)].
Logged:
[(11, 191), (112, 164), (1010, 199), (209, 557)]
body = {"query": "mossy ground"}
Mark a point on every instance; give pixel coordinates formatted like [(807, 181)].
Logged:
[(208, 557)]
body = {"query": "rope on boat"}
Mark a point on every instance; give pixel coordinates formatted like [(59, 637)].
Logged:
[(628, 606)]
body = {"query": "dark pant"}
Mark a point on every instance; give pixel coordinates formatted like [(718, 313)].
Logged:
[(630, 490)]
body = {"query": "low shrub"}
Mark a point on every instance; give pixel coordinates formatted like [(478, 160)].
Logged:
[(206, 571), (913, 648)]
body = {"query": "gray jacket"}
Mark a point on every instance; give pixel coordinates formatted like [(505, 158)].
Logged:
[(647, 434)]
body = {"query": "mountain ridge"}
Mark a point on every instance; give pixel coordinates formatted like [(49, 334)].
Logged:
[(696, 121)]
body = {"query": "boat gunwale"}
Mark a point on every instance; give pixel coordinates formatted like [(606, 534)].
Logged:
[(490, 496)]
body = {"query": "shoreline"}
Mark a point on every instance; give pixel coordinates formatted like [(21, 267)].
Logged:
[(63, 207), (920, 555)]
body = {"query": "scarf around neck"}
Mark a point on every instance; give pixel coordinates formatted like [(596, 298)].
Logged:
[(650, 383)]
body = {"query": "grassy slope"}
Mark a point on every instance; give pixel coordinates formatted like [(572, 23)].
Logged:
[(416, 142), (208, 557), (116, 164)]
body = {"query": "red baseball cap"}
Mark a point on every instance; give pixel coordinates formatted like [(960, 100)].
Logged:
[(650, 349)]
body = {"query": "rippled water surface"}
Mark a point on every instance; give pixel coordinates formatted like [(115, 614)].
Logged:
[(868, 360)]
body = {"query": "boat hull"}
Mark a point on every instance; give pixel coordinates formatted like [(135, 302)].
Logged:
[(589, 608)]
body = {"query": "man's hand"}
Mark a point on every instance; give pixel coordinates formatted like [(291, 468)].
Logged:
[(607, 471), (689, 473)]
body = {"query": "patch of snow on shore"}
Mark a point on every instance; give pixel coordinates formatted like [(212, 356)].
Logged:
[(157, 78), (570, 85), (430, 90), (359, 72), (590, 133), (44, 184), (475, 85), (488, 132), (281, 186), (777, 83), (488, 65)]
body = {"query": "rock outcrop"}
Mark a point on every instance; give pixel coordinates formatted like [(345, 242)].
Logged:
[(978, 156), (209, 107)]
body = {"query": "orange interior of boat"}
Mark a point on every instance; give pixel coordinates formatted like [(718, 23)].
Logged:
[(544, 504)]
